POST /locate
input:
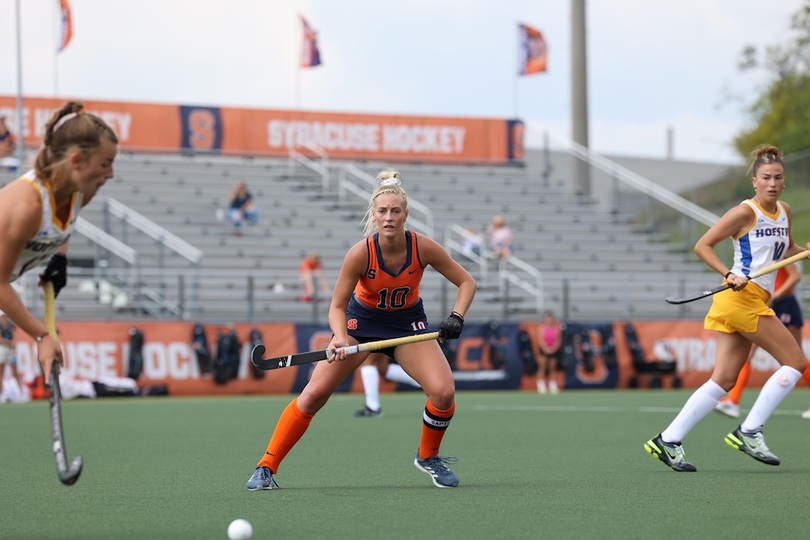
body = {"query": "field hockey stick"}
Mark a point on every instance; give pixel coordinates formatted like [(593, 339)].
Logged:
[(68, 476), (761, 272), (317, 356)]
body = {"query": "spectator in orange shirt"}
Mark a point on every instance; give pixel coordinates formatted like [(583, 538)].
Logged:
[(312, 278)]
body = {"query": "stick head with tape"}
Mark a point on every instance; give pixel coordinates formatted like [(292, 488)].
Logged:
[(257, 354)]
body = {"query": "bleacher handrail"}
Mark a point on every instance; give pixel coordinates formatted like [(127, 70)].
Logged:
[(643, 185), (320, 167), (107, 241), (510, 270), (533, 285), (454, 246), (153, 230)]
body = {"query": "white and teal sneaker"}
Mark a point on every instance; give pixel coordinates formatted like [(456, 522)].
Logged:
[(436, 467)]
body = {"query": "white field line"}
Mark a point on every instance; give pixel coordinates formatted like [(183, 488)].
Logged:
[(600, 409)]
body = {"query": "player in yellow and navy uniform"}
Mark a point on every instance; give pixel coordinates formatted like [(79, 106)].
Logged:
[(760, 231)]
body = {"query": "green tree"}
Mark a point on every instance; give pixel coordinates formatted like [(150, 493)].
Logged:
[(781, 114)]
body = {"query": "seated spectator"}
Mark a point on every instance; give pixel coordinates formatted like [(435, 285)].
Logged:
[(8, 142), (473, 243), (241, 207), (311, 272), (500, 238)]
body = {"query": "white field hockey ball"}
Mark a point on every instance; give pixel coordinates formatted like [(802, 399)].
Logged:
[(240, 529)]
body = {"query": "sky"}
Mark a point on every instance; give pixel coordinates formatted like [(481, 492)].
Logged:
[(653, 66)]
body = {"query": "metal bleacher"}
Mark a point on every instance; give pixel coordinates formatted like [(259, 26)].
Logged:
[(595, 262)]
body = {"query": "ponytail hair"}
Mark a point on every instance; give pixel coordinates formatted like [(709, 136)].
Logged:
[(70, 127)]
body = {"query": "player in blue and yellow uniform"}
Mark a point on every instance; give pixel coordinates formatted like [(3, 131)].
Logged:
[(376, 297), (760, 230)]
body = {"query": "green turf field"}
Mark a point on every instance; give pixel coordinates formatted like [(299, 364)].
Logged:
[(565, 466)]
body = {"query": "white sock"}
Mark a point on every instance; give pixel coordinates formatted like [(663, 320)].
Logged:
[(775, 389), (371, 385), (699, 404), (395, 373)]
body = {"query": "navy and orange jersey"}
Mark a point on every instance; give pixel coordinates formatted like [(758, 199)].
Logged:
[(388, 289)]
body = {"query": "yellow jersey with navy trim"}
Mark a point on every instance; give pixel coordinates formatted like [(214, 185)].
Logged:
[(52, 233), (390, 289)]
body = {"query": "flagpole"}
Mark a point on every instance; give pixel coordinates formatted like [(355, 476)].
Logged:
[(516, 76), (298, 85), (56, 53), (298, 62), (20, 132)]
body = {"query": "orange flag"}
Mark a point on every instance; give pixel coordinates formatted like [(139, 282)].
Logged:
[(532, 50), (65, 25)]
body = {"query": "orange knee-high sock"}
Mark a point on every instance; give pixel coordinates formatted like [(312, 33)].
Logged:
[(806, 374), (291, 426), (434, 424), (735, 394)]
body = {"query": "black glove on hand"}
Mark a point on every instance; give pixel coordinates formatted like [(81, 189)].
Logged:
[(452, 326), (56, 272)]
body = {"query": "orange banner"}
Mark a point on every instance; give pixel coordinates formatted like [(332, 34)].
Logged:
[(694, 348), (686, 343), (137, 125), (96, 350), (264, 132)]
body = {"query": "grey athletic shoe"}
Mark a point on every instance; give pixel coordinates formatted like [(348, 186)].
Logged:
[(367, 412), (436, 467), (671, 454), (262, 479), (752, 444)]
